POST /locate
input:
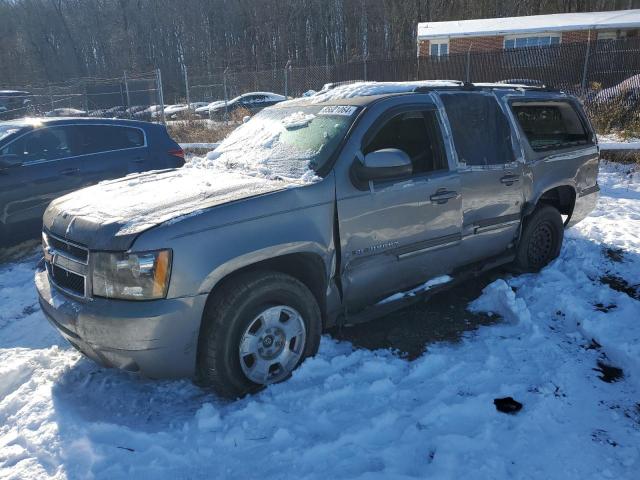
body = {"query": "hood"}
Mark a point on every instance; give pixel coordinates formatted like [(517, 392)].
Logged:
[(109, 216)]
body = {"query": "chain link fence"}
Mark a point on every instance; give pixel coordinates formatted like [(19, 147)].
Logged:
[(127, 96), (604, 74)]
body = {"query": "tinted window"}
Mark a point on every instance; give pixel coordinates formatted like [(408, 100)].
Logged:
[(551, 125), (8, 129), (480, 128), (47, 143), (102, 138), (417, 134)]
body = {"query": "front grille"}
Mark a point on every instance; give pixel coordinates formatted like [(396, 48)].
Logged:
[(67, 264), (67, 280), (75, 251)]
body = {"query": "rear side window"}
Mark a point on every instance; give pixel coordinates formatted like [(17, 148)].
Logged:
[(104, 138), (551, 125), (481, 130), (416, 133)]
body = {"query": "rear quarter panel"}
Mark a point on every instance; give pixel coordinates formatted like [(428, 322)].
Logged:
[(574, 167)]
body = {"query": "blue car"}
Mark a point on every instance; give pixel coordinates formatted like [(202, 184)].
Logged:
[(41, 159)]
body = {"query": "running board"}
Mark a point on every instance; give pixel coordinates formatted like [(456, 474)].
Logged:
[(407, 298)]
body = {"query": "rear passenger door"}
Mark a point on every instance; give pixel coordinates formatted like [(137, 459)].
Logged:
[(490, 173), (396, 234), (111, 151)]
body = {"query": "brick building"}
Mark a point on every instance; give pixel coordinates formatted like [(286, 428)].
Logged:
[(443, 38)]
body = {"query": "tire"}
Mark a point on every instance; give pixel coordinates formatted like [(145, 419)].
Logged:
[(541, 239), (246, 312)]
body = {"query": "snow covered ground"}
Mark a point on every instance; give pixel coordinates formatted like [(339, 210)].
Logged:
[(357, 413)]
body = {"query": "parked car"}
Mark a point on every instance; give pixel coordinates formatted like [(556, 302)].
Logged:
[(250, 102), (14, 104), (65, 112), (45, 158), (322, 211), (135, 108), (626, 93), (174, 112), (204, 110), (148, 113)]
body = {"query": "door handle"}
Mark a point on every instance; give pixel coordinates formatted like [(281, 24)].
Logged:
[(69, 171), (442, 196), (137, 160), (510, 179)]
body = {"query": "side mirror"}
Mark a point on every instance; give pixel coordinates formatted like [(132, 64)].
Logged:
[(383, 164), (8, 161)]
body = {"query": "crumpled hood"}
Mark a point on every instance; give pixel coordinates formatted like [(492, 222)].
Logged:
[(111, 214)]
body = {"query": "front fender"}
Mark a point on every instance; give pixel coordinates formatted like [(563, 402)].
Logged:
[(273, 251), (209, 246)]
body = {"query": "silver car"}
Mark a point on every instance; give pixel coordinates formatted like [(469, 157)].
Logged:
[(322, 211)]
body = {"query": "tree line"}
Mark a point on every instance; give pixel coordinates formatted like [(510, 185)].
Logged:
[(56, 40)]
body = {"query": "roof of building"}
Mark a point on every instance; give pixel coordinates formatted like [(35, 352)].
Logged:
[(531, 24)]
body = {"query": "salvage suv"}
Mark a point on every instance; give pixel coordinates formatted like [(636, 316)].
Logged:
[(323, 211)]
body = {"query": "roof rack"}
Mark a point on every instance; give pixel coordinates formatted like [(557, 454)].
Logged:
[(541, 87)]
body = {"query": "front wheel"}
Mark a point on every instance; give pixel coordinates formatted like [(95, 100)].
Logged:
[(541, 239), (256, 330)]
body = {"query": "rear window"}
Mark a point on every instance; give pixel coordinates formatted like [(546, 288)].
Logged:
[(480, 129), (104, 138), (551, 125)]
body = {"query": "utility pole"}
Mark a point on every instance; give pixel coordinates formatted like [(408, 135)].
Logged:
[(186, 87), (585, 69), (160, 95), (126, 89), (287, 68), (224, 84)]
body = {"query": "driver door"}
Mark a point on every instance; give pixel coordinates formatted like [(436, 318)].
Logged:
[(399, 233)]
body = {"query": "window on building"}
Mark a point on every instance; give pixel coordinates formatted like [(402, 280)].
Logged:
[(417, 133), (610, 35), (551, 125), (524, 41), (439, 48)]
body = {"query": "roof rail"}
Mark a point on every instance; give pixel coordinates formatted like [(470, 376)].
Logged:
[(460, 85)]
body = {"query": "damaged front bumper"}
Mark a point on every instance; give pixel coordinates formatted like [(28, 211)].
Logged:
[(157, 338)]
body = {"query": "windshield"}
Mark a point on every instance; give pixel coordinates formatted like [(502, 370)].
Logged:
[(6, 130), (287, 142)]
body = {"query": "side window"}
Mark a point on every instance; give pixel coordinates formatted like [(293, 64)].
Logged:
[(104, 138), (418, 134), (47, 143), (480, 129), (551, 125)]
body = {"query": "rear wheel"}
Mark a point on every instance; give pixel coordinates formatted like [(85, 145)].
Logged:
[(541, 239), (257, 329)]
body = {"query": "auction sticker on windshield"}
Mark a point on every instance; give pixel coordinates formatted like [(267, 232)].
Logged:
[(344, 110)]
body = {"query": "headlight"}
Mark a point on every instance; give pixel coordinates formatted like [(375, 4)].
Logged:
[(131, 276)]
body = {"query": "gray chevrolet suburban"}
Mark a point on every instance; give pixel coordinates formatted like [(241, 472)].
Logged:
[(323, 211)]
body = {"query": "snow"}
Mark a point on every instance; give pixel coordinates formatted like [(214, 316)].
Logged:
[(357, 413), (363, 89), (297, 120), (202, 146), (138, 202), (619, 19), (250, 161), (434, 282)]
